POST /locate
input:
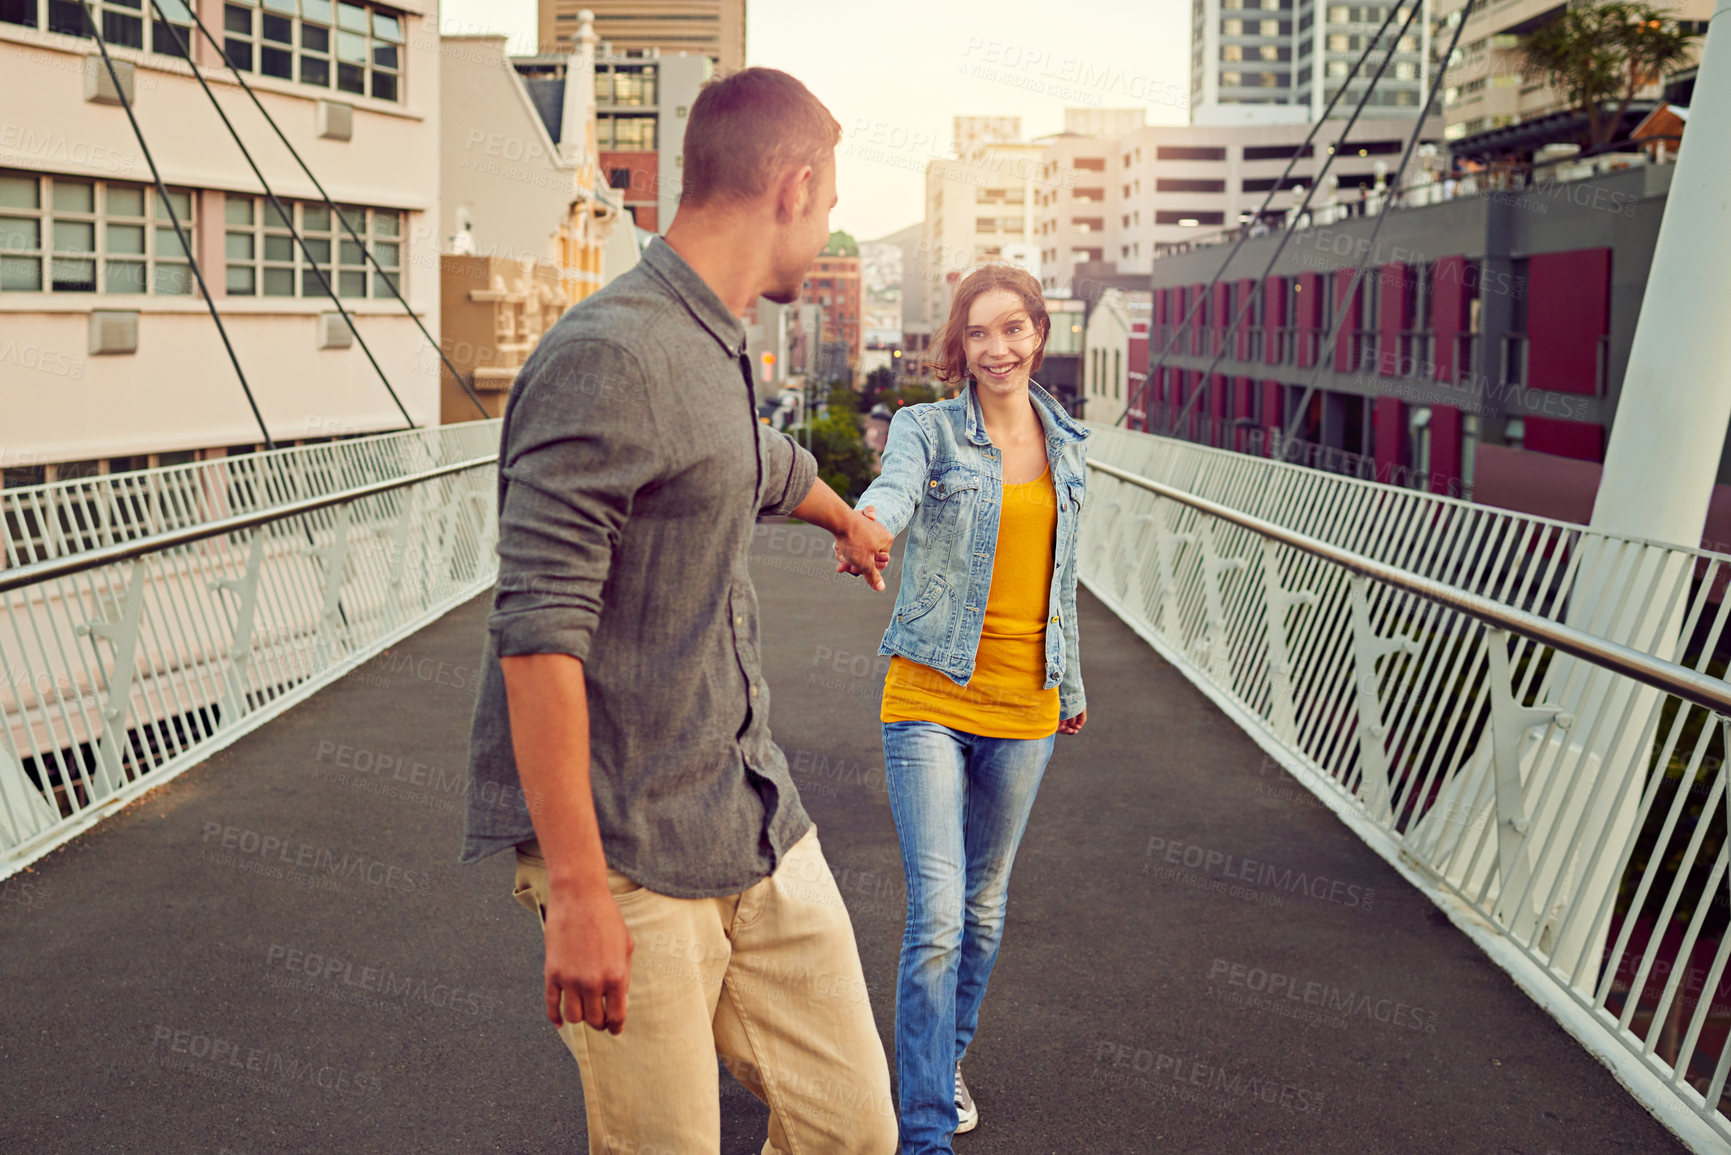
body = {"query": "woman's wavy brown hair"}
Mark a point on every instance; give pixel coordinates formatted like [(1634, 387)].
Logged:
[(949, 358)]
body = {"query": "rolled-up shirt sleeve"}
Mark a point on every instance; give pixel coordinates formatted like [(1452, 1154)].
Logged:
[(788, 472), (578, 445)]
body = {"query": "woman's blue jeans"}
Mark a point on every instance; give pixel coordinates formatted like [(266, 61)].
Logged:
[(960, 803)]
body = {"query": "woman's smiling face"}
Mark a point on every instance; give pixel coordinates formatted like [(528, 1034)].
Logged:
[(1000, 341)]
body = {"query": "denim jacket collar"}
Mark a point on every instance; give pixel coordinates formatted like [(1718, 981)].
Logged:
[(1060, 427)]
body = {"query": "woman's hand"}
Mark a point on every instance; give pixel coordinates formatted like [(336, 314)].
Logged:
[(1073, 725)]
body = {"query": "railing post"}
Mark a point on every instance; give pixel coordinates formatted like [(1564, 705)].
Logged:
[(121, 634), (1511, 724), (1375, 789), (1214, 568), (240, 648), (335, 557), (23, 809), (1166, 561), (1277, 599), (399, 559)]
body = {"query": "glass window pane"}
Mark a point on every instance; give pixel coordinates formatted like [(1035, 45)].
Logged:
[(237, 210), (119, 28), (175, 10), (315, 219), (21, 274), (277, 248), (352, 78), (73, 276), (272, 218), (354, 216), (351, 48), (20, 234), (279, 282), (319, 10), (385, 55), (315, 39), (310, 285), (279, 29), (382, 285), (123, 277), (320, 249), (350, 254), (168, 40), (238, 246), (386, 255), (279, 62), (352, 17), (19, 192), (385, 85), (384, 223), (239, 53), (74, 196), (175, 280), (125, 200), (387, 27), (181, 201), (241, 281), (315, 70), (126, 239), (74, 236), (168, 244), (351, 283), (237, 19), (286, 7)]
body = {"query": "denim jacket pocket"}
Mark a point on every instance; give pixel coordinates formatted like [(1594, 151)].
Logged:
[(934, 592), (947, 499)]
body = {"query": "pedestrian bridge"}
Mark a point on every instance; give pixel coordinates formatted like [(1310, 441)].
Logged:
[(1261, 904)]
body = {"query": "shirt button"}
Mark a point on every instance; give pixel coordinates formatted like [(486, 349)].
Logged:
[(740, 620)]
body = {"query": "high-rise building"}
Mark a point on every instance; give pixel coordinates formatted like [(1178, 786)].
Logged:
[(712, 28), (833, 282), (979, 207), (1279, 61), (643, 98)]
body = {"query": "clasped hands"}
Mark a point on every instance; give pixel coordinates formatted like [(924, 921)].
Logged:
[(863, 547)]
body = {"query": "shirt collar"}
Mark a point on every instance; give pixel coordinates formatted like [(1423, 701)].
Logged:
[(696, 295)]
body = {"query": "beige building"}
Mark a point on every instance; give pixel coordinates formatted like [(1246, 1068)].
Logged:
[(526, 218), (979, 207), (712, 28), (1487, 87), (1117, 202), (109, 359)]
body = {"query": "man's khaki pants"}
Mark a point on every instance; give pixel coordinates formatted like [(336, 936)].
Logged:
[(770, 980)]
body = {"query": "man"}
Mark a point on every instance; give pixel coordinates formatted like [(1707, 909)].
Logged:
[(685, 901)]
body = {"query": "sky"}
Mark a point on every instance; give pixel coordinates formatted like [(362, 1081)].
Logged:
[(896, 72)]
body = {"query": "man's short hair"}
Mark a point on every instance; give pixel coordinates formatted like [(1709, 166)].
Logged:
[(747, 129)]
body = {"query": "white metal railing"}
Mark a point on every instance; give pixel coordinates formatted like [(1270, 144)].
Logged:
[(1526, 717), (148, 619)]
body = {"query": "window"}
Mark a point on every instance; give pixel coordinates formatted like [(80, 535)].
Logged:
[(618, 178), (626, 133), (1232, 52), (1088, 224), (1232, 28), (1090, 163), (263, 259), (272, 37), (1189, 218), (1274, 151), (1189, 186), (66, 235), (1190, 152), (1264, 184), (625, 85)]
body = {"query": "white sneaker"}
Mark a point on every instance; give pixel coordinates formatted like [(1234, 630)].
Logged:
[(967, 1115)]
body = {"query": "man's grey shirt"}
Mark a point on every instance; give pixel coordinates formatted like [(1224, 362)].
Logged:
[(632, 469)]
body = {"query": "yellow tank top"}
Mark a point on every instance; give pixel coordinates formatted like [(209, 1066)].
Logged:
[(1006, 696)]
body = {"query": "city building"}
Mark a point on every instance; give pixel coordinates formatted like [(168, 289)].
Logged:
[(979, 207), (1280, 61), (1487, 86), (833, 282), (1115, 355), (110, 360), (1482, 354), (1113, 203), (643, 98), (525, 219), (714, 29)]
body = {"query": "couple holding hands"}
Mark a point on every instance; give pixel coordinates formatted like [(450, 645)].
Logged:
[(687, 909)]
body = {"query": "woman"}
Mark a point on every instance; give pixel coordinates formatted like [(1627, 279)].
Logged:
[(984, 672)]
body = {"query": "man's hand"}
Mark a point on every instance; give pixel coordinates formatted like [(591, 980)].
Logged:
[(1073, 725), (864, 548), (588, 968)]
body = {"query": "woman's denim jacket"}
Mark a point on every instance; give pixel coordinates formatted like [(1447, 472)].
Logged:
[(943, 480)]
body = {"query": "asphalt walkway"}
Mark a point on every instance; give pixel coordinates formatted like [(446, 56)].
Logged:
[(176, 980)]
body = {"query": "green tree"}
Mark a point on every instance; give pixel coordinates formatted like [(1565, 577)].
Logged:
[(837, 440), (841, 244), (1600, 54), (878, 382)]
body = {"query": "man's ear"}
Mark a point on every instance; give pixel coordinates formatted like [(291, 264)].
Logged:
[(794, 192)]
